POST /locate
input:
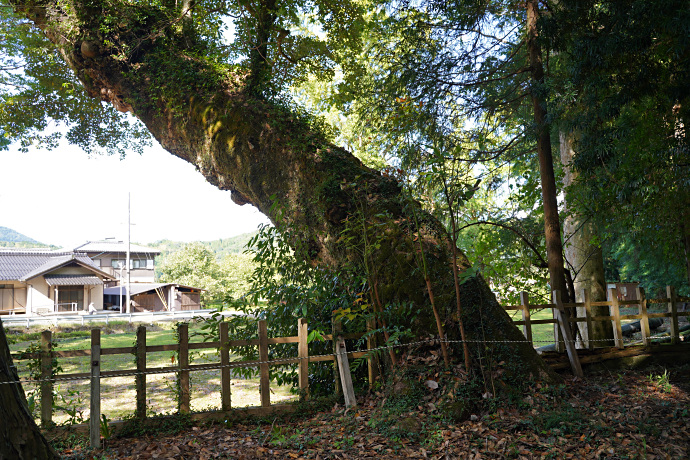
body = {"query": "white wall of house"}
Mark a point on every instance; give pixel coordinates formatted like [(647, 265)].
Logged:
[(39, 295)]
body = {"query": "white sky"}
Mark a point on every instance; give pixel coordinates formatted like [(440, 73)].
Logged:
[(65, 198)]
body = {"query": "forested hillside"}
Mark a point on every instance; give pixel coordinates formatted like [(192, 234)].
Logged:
[(221, 247), (12, 239)]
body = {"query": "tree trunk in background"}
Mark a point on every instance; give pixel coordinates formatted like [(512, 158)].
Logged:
[(270, 157), (20, 438), (549, 192), (585, 258), (685, 235)]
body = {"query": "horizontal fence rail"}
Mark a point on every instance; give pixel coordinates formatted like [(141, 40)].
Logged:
[(670, 303)]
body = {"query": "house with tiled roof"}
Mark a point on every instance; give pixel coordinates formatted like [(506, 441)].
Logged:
[(110, 256), (39, 281)]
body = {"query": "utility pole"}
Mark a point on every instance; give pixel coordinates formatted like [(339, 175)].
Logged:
[(129, 238)]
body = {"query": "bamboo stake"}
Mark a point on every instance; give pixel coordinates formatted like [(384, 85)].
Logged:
[(372, 360)]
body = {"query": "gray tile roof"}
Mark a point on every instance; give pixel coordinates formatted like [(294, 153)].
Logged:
[(114, 246), (25, 264), (72, 280)]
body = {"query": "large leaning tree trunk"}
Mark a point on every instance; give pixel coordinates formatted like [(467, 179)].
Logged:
[(585, 257), (20, 438), (267, 156)]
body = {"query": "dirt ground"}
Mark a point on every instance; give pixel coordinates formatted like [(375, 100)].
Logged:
[(622, 415)]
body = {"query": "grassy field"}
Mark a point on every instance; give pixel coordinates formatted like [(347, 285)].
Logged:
[(118, 393)]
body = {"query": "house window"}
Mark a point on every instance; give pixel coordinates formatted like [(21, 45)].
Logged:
[(142, 264), (70, 295), (117, 263)]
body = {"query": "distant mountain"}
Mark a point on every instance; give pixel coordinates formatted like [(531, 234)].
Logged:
[(13, 239), (235, 245)]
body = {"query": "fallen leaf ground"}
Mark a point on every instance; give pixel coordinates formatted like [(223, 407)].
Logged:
[(626, 415)]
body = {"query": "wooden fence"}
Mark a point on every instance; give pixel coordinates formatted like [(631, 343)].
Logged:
[(670, 303), (183, 368)]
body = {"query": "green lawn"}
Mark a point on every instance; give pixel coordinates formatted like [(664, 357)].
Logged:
[(118, 393)]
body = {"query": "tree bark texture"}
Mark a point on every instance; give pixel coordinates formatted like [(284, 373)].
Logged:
[(585, 257), (549, 192), (270, 157), (685, 235), (20, 437)]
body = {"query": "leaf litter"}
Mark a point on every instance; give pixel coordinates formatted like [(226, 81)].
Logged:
[(624, 415)]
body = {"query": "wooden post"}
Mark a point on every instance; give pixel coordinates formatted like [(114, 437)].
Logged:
[(183, 362), (225, 375), (95, 406), (526, 317), (337, 331), (344, 369), (587, 298), (264, 380), (644, 321), (557, 334), (303, 355), (673, 310), (372, 360), (563, 321), (140, 377), (616, 313), (46, 385)]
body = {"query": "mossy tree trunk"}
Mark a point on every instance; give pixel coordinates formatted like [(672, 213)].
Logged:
[(586, 258), (20, 438), (266, 154)]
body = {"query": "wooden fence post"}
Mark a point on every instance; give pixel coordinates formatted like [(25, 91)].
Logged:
[(673, 310), (526, 317), (140, 377), (303, 355), (264, 380), (563, 321), (616, 313), (372, 360), (225, 375), (644, 321), (95, 405), (337, 328), (587, 299), (46, 385), (344, 369), (183, 362)]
